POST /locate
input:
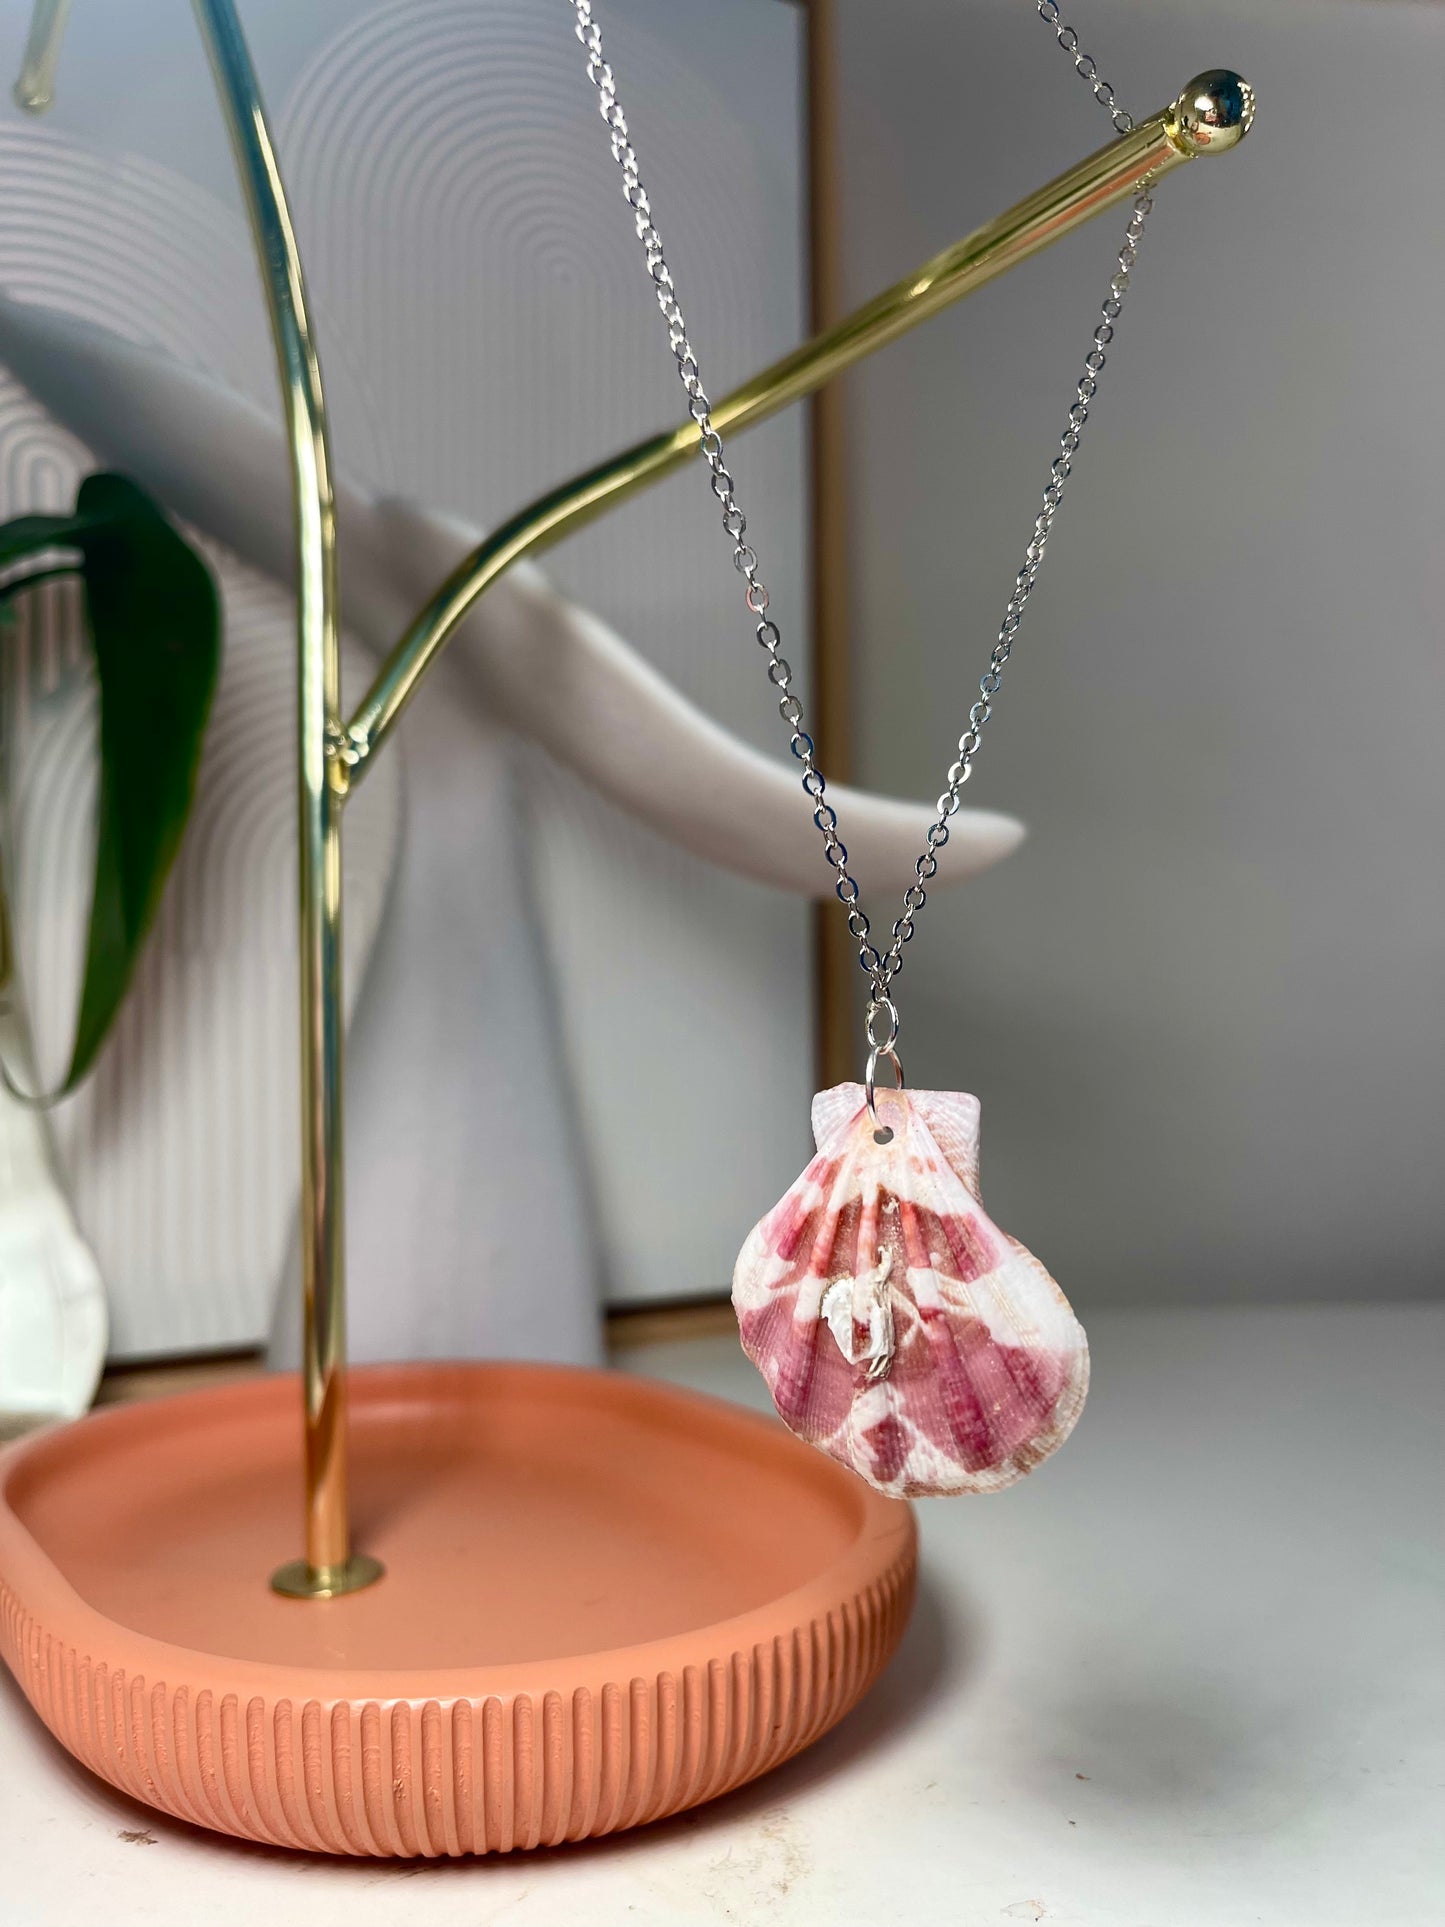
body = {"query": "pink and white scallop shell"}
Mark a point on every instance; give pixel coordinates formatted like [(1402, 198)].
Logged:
[(898, 1329)]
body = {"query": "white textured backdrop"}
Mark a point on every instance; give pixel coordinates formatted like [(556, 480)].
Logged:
[(190, 1216)]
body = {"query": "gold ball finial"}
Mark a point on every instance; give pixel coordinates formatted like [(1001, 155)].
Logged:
[(1213, 114)]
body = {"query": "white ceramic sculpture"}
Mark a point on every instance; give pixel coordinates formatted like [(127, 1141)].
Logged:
[(52, 1303), (543, 667)]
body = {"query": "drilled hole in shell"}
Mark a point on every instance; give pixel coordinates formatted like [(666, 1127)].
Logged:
[(883, 1135)]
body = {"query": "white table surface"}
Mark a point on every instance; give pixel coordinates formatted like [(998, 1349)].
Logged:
[(1189, 1674)]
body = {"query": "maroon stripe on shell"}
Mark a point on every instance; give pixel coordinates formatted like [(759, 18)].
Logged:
[(811, 1382), (994, 1398), (887, 1447)]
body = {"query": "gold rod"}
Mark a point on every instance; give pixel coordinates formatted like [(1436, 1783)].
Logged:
[(834, 963), (329, 1566), (1211, 115), (35, 89)]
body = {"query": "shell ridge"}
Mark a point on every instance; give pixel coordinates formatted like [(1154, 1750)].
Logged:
[(952, 1118), (1028, 1362), (834, 1112), (973, 1430), (834, 1206), (937, 1187), (799, 1358)]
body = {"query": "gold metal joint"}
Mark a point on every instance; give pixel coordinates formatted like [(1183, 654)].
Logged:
[(298, 1579), (1213, 114), (345, 751)]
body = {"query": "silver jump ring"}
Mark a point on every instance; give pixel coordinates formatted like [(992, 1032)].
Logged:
[(881, 1004), (882, 1133)]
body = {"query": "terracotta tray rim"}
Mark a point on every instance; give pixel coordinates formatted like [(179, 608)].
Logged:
[(43, 1593)]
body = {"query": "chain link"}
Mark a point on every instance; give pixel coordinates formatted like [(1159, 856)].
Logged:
[(1048, 11), (959, 772), (880, 967)]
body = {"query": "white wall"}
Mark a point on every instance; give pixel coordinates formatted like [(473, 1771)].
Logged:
[(1202, 1007)]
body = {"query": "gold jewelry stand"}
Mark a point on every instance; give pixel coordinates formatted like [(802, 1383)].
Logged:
[(335, 757), (825, 1639)]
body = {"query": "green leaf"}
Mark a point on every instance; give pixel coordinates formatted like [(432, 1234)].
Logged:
[(155, 627), (29, 533)]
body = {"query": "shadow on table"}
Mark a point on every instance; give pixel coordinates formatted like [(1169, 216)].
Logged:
[(1181, 1740), (933, 1658)]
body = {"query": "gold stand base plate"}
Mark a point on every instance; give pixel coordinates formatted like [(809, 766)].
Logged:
[(298, 1580)]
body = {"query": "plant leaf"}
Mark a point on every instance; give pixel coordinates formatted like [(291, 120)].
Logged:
[(155, 628), (29, 533)]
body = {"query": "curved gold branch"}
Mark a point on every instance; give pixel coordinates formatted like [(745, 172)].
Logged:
[(1212, 114)]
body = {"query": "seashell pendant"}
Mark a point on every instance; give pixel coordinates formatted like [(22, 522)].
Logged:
[(897, 1328)]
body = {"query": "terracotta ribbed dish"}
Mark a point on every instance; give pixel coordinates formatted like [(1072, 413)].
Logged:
[(605, 1600)]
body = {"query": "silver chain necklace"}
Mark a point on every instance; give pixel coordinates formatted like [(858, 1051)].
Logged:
[(880, 967)]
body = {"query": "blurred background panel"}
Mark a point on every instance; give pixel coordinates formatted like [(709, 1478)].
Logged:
[(1202, 1006)]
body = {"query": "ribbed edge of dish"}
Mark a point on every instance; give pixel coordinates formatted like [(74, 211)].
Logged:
[(490, 1774)]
